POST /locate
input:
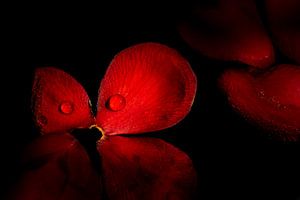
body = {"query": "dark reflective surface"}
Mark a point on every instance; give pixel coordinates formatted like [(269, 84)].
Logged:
[(88, 139), (233, 158)]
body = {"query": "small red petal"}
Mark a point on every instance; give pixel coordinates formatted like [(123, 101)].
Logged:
[(271, 100), (145, 168), (59, 102), (57, 168), (230, 30), (284, 21), (147, 87)]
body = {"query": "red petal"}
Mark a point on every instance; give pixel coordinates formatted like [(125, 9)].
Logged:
[(60, 169), (285, 24), (147, 87), (271, 100), (145, 168), (59, 102), (230, 30)]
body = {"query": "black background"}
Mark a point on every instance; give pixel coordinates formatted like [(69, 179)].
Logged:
[(233, 159)]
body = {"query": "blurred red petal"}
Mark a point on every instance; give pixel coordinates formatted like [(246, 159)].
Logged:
[(271, 99), (147, 87), (284, 21), (230, 30), (58, 168), (48, 145), (145, 168), (59, 102)]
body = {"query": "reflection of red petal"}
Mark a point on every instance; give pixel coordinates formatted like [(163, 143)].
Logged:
[(59, 101), (271, 99), (59, 168), (152, 87), (231, 30), (285, 24), (48, 146), (145, 168)]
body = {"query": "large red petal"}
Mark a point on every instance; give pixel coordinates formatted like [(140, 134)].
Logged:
[(284, 21), (145, 168), (147, 87), (57, 168), (271, 99), (229, 30), (59, 102)]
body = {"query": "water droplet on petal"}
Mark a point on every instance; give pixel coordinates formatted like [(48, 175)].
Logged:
[(66, 107), (116, 102)]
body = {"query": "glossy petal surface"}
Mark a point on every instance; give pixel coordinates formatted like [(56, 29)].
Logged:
[(229, 30), (145, 168), (271, 99), (147, 87), (59, 102)]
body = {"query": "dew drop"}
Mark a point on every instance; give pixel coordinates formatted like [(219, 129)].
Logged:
[(116, 102), (66, 107)]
